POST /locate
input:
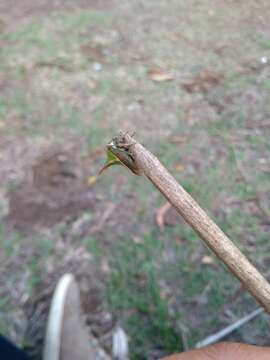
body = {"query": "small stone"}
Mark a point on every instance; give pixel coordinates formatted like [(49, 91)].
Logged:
[(264, 60), (97, 66), (207, 260)]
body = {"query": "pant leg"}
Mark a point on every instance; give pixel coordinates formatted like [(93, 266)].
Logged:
[(8, 351)]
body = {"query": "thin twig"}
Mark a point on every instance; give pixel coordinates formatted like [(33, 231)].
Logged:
[(195, 216), (211, 339)]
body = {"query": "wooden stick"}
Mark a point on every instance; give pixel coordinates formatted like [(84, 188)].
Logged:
[(196, 217), (211, 339)]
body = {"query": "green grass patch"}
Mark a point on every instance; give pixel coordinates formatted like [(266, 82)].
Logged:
[(93, 246), (54, 38), (134, 294), (17, 102)]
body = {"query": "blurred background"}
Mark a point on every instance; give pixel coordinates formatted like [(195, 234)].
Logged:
[(191, 78)]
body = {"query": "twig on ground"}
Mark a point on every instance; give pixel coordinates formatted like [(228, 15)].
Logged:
[(146, 163), (211, 339), (105, 216)]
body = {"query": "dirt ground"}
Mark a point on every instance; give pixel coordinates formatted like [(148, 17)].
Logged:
[(192, 80)]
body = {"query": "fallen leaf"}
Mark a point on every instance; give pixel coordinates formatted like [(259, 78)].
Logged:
[(179, 167), (91, 84), (160, 214), (159, 75), (93, 53), (203, 82), (91, 180), (167, 215), (207, 260)]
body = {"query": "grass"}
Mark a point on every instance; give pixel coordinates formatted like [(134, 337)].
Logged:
[(156, 284), (17, 102), (53, 39), (134, 295), (35, 32), (93, 246), (141, 274)]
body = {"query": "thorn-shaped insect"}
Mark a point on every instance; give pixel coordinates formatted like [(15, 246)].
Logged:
[(118, 153)]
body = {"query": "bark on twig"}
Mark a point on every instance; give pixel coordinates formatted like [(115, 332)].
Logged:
[(196, 217)]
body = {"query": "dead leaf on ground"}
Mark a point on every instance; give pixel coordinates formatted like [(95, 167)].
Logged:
[(179, 167), (160, 214), (203, 82), (166, 215), (160, 75), (91, 180), (92, 84), (93, 53)]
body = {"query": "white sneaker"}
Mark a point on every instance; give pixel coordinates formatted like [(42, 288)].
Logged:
[(66, 336)]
